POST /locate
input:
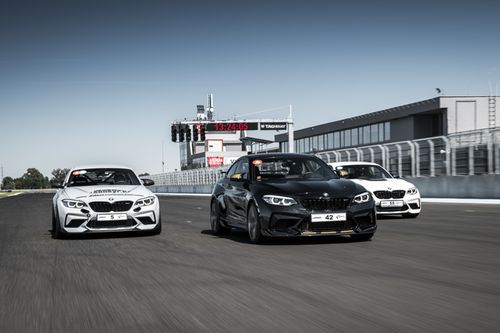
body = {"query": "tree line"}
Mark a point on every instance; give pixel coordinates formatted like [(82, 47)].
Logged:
[(34, 179)]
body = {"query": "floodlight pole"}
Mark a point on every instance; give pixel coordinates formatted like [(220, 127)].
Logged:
[(291, 143)]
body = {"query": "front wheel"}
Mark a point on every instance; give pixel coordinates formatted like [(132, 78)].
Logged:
[(215, 225), (362, 237), (253, 225), (56, 227)]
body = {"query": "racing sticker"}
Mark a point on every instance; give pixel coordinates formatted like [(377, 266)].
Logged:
[(109, 191)]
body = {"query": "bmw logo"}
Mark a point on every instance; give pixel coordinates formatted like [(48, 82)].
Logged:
[(111, 199)]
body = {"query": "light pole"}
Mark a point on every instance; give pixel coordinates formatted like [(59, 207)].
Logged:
[(162, 156), (291, 143)]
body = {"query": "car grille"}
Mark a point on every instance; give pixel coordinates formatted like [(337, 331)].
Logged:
[(75, 223), (392, 209), (325, 204), (396, 194), (146, 220), (331, 226), (111, 224), (103, 206), (414, 206)]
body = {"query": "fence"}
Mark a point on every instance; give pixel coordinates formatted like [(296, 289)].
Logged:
[(462, 154), (465, 153)]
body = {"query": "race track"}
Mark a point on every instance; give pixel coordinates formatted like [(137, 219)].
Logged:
[(437, 273)]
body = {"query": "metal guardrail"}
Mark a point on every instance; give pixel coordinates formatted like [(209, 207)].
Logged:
[(466, 153)]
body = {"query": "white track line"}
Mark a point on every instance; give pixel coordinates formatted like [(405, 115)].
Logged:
[(462, 201)]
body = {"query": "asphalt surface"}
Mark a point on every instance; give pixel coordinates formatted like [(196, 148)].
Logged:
[(437, 273)]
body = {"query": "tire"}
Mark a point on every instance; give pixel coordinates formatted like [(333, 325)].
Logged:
[(410, 215), (253, 225), (362, 237), (56, 227), (215, 225)]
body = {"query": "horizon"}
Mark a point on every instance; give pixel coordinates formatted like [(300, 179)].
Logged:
[(92, 82)]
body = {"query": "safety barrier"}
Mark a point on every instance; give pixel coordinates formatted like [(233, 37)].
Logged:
[(462, 154), (466, 153)]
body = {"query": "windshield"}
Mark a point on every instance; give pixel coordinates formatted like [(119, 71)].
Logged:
[(87, 177), (364, 172), (290, 168)]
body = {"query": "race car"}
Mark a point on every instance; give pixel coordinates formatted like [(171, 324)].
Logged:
[(97, 199), (290, 195), (392, 195)]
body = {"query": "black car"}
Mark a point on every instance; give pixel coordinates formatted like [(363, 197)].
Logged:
[(283, 195)]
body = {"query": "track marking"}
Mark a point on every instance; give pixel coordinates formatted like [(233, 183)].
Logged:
[(462, 201)]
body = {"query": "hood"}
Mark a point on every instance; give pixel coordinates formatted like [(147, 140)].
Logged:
[(94, 193), (384, 184), (334, 187)]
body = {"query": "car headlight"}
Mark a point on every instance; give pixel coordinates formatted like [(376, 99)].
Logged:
[(73, 203), (362, 197), (277, 200), (412, 191), (148, 201)]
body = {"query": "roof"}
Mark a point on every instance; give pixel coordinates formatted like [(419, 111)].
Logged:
[(255, 140), (428, 105), (100, 166), (268, 155), (334, 164)]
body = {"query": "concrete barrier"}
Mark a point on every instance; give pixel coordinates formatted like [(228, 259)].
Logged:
[(479, 187), (181, 188)]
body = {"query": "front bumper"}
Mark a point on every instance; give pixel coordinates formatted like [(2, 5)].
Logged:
[(78, 221), (411, 205), (293, 221)]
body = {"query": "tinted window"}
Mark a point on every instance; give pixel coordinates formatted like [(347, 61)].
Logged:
[(240, 167), (86, 177), (290, 168), (233, 169), (364, 172)]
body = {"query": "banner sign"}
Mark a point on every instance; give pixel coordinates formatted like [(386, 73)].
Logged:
[(272, 126), (215, 161)]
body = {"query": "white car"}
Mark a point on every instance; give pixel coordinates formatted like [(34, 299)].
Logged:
[(104, 199), (391, 195)]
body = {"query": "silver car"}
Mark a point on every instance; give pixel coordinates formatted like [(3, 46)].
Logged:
[(104, 199)]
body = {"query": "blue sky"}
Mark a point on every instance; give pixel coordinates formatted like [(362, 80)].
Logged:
[(101, 81)]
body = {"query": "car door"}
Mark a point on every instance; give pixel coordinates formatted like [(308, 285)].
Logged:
[(236, 193), (228, 198)]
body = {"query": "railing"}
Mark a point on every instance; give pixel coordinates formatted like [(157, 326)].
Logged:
[(204, 176), (467, 153)]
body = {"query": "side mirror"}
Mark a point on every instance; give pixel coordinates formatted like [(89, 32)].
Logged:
[(237, 177), (342, 173), (394, 174), (147, 182)]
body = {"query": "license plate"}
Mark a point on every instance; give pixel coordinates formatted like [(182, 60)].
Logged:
[(111, 217), (331, 217), (391, 203)]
